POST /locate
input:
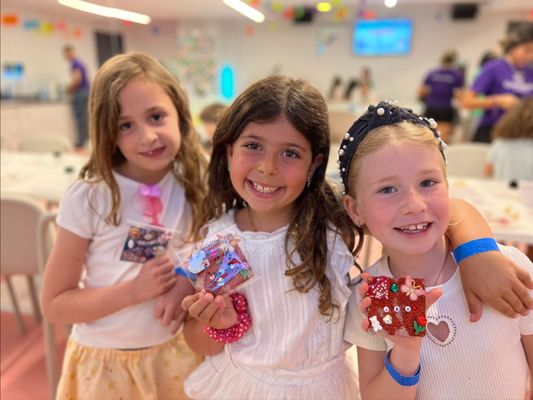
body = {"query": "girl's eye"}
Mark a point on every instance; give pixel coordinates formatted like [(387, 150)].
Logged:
[(387, 190), (125, 126), (252, 146), (428, 183), (291, 154), (157, 117)]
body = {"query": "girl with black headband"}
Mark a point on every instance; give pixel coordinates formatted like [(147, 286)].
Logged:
[(392, 164)]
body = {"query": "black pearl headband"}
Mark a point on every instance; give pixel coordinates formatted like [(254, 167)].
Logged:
[(385, 113)]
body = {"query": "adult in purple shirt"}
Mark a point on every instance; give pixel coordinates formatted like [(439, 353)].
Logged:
[(78, 88), (437, 92), (503, 82)]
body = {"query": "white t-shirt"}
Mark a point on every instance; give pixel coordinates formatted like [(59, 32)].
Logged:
[(512, 158), (83, 210), (291, 351), (483, 360)]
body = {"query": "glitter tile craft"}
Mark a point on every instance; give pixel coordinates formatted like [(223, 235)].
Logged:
[(219, 266), (398, 306)]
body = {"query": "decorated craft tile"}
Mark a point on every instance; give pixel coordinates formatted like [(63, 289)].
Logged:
[(219, 266), (398, 306), (145, 242)]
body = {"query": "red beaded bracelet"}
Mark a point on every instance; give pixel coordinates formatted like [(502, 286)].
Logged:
[(237, 331)]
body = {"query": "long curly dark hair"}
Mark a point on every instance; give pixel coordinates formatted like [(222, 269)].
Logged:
[(317, 209)]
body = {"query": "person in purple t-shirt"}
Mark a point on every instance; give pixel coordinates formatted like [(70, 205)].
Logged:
[(78, 88), (437, 92), (502, 82)]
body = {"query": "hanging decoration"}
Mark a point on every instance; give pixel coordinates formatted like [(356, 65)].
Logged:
[(196, 62), (327, 36), (10, 19), (30, 24)]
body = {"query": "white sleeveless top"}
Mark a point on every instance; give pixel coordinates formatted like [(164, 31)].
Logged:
[(291, 350)]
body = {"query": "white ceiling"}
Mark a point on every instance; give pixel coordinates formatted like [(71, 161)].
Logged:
[(210, 9)]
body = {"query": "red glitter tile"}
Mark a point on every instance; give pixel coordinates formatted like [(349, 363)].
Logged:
[(398, 306)]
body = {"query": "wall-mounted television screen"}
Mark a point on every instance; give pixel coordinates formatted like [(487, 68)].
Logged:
[(382, 37)]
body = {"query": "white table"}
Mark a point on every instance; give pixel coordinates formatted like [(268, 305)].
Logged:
[(501, 205), (39, 175)]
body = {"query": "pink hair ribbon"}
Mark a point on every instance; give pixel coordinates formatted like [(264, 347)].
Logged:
[(152, 202)]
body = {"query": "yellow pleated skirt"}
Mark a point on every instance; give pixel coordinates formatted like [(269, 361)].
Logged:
[(155, 373)]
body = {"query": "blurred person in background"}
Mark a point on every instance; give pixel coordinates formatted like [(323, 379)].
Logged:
[(78, 88), (511, 152), (437, 93), (367, 85), (335, 90), (209, 118), (502, 82)]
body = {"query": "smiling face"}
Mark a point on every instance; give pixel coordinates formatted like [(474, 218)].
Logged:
[(269, 165), (148, 131), (401, 195)]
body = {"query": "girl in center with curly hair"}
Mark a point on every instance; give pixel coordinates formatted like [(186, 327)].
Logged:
[(267, 181)]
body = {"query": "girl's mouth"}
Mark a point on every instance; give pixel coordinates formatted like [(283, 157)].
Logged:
[(414, 228), (153, 153), (264, 188)]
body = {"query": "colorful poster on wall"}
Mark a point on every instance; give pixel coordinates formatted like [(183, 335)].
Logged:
[(197, 61)]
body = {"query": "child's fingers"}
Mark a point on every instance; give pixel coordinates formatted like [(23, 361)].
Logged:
[(516, 303), (364, 304), (198, 309), (524, 276), (362, 288), (523, 290), (188, 301), (157, 261), (170, 276), (176, 324), (475, 305), (168, 314)]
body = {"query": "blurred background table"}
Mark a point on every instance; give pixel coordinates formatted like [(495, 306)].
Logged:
[(502, 206), (39, 175)]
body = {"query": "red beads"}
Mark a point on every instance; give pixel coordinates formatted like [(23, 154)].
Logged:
[(237, 331)]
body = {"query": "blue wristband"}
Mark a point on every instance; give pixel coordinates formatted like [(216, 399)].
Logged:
[(181, 271), (474, 247), (399, 378)]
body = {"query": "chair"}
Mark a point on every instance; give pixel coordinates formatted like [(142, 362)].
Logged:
[(46, 143), (27, 234), (466, 159)]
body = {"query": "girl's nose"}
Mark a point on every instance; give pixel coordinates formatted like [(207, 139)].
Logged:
[(413, 202), (268, 165), (148, 134)]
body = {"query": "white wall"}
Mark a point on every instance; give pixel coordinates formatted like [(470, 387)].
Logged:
[(42, 53), (289, 49), (292, 49)]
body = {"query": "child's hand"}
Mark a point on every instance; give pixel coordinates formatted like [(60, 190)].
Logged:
[(405, 341), (493, 279), (217, 312), (505, 100), (168, 307), (155, 277)]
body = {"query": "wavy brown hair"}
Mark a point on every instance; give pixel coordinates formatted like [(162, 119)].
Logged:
[(517, 122), (317, 209), (104, 112)]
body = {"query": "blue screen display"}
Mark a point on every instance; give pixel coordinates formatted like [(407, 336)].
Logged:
[(382, 37), (13, 71)]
